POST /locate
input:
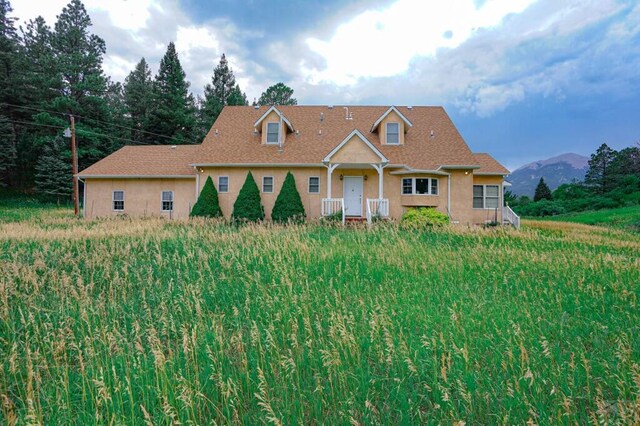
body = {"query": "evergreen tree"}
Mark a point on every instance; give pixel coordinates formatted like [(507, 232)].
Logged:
[(248, 207), (118, 114), (138, 94), (53, 170), (278, 94), (172, 112), (222, 91), (542, 191), (9, 51), (288, 206), (599, 175), (207, 204)]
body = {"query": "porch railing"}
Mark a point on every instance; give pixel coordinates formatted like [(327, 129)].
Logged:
[(510, 217), (331, 206), (377, 207)]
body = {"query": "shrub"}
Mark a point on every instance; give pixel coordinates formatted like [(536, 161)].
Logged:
[(207, 204), (333, 217), (422, 217), (248, 207), (288, 206)]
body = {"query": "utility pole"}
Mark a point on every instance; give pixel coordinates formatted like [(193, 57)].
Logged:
[(74, 165)]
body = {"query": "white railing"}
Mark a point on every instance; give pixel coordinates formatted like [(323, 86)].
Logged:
[(511, 217), (377, 207), (332, 206)]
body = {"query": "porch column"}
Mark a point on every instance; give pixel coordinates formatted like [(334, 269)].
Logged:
[(379, 168), (330, 169)]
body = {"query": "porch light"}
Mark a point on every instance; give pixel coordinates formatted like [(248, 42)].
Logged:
[(366, 177), (341, 177)]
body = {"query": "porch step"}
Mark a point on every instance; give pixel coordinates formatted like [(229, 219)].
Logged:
[(352, 220)]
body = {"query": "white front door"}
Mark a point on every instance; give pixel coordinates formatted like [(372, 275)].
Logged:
[(353, 196)]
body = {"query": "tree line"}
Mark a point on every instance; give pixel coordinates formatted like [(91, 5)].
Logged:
[(49, 73), (612, 180)]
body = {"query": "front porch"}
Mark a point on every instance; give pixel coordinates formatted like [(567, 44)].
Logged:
[(359, 189)]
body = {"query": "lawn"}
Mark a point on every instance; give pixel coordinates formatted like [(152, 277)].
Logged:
[(624, 217), (151, 321)]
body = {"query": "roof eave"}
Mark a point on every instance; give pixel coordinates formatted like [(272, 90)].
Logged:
[(115, 176)]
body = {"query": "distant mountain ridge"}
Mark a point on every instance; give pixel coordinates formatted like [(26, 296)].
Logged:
[(556, 170)]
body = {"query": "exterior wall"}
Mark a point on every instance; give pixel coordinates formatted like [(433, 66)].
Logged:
[(273, 118), (382, 128), (399, 203), (462, 196), (355, 151), (142, 197), (237, 176), (488, 215)]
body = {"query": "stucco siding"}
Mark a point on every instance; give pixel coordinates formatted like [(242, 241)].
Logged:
[(142, 197), (488, 214)]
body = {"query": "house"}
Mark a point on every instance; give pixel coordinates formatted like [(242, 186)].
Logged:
[(361, 160)]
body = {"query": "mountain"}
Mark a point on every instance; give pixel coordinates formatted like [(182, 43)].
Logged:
[(555, 170)]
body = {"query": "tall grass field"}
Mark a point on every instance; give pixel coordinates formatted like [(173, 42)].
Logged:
[(156, 322)]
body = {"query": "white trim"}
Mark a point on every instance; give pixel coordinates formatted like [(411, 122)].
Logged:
[(162, 200), (413, 186), (344, 182), (259, 165), (113, 200), (137, 176), (382, 117), (458, 167), (273, 185), (417, 171), (273, 108), (356, 132), (386, 133), (309, 184), (489, 174), (220, 190), (277, 142)]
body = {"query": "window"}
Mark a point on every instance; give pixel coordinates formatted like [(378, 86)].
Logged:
[(486, 196), (167, 201), (223, 183), (314, 185), (267, 184), (118, 200), (393, 133), (273, 130), (419, 186)]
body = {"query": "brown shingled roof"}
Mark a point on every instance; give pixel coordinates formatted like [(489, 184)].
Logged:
[(236, 142), (156, 160), (489, 165)]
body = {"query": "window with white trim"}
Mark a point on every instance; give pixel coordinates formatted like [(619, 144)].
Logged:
[(314, 184), (393, 133), (419, 186), (223, 183), (267, 184), (486, 196), (167, 201), (118, 200), (273, 133)]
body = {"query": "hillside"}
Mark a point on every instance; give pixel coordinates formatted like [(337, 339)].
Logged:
[(555, 171)]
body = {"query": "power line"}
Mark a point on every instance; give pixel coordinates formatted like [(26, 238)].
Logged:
[(99, 121)]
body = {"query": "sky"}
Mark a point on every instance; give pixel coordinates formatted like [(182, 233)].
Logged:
[(522, 79)]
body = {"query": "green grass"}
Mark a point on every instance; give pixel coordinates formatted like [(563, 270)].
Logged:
[(624, 217), (134, 321)]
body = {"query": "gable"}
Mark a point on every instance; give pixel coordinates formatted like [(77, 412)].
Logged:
[(355, 148), (398, 117)]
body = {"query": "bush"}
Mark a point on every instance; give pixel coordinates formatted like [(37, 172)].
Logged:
[(334, 217), (248, 207), (207, 204), (423, 217), (288, 206), (541, 208)]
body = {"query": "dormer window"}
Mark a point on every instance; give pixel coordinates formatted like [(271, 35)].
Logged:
[(273, 130), (393, 133)]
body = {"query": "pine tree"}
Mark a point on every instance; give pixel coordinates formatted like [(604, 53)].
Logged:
[(9, 51), (542, 191), (222, 91), (599, 175), (172, 112), (53, 170), (138, 94), (207, 204), (248, 207), (288, 206), (278, 94)]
